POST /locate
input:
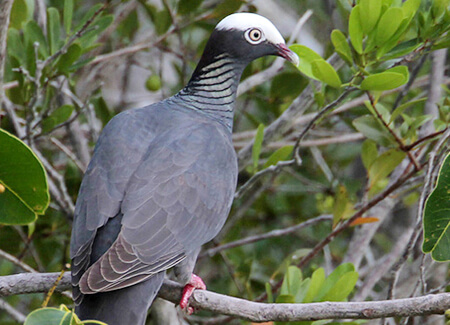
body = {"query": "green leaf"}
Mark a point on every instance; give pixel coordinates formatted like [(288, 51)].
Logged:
[(285, 299), (369, 153), (340, 203), (303, 290), (129, 26), (436, 217), (306, 56), (343, 287), (67, 15), (341, 46), (399, 110), (96, 28), (24, 177), (224, 8), (19, 14), (45, 316), (438, 8), (317, 281), (287, 85), (59, 116), (388, 25), (390, 79), (88, 16), (372, 129), (187, 6), (403, 49), (369, 13), (101, 110), (66, 60), (323, 71), (257, 145), (269, 293), (279, 155), (33, 34), (333, 278), (14, 211), (410, 8), (53, 29), (355, 30), (384, 165), (291, 282), (15, 46)]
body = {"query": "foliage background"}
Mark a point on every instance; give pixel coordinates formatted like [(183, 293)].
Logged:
[(63, 113)]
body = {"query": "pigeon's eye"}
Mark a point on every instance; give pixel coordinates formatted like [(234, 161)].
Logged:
[(254, 36)]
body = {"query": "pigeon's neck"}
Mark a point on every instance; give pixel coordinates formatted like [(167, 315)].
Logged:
[(212, 88)]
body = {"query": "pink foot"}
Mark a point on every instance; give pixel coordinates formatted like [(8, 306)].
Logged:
[(195, 283)]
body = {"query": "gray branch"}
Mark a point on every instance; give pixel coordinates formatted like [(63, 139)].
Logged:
[(253, 311)]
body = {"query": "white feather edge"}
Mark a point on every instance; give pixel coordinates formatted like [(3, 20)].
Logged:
[(245, 20)]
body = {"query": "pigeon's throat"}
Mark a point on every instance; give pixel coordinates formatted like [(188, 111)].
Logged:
[(212, 88)]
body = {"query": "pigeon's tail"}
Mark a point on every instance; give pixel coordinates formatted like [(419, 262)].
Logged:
[(124, 306)]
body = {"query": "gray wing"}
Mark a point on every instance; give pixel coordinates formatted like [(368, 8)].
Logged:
[(118, 153), (176, 200)]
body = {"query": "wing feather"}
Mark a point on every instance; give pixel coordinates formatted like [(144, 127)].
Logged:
[(175, 199)]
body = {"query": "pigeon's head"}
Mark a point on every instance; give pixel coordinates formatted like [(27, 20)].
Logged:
[(247, 36)]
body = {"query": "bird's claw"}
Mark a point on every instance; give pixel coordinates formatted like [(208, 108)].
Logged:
[(195, 283)]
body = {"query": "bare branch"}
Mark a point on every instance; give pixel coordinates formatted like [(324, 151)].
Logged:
[(16, 262), (271, 234), (253, 311), (14, 313)]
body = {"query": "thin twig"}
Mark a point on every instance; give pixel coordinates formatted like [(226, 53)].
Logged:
[(271, 234), (319, 115)]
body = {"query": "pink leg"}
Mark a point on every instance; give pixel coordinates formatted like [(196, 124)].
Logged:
[(195, 283)]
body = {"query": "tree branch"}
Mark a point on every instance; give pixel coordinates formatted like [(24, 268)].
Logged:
[(253, 311)]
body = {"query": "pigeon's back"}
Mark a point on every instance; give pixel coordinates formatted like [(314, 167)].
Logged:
[(160, 185)]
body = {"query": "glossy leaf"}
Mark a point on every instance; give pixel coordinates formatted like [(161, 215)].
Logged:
[(280, 154), (369, 13), (399, 110), (97, 27), (24, 177), (187, 6), (317, 281), (291, 282), (355, 30), (59, 116), (436, 217), (390, 79), (341, 46), (53, 29), (69, 58), (67, 15), (306, 56), (257, 145), (372, 129), (324, 72), (19, 14), (369, 153), (33, 34), (438, 8), (45, 316), (342, 206), (388, 25), (384, 165), (333, 278), (410, 8), (342, 288)]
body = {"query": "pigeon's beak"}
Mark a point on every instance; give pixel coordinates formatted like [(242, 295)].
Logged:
[(287, 54)]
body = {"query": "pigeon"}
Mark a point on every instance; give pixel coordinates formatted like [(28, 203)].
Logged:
[(161, 182)]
